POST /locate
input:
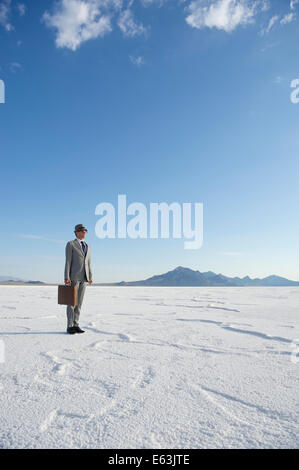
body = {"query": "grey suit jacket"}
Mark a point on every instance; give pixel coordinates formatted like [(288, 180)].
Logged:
[(76, 264)]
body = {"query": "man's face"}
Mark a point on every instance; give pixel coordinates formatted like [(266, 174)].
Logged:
[(80, 235)]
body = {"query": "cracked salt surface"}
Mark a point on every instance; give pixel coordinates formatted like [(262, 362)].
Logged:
[(156, 368)]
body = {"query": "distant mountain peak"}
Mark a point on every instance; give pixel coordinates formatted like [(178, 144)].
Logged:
[(183, 269)]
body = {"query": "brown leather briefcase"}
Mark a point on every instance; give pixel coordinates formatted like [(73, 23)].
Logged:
[(68, 295)]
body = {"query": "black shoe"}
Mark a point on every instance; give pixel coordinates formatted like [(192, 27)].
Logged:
[(78, 329), (71, 330)]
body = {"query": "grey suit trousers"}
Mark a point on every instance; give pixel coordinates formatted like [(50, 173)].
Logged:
[(73, 313)]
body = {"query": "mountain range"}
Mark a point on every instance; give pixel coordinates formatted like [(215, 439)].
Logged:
[(181, 276), (17, 281)]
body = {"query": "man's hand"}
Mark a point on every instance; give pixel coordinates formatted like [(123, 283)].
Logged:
[(90, 281), (67, 281)]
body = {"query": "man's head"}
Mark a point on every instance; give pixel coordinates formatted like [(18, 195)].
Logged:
[(80, 231)]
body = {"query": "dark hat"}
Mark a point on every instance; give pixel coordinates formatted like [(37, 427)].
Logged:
[(80, 228)]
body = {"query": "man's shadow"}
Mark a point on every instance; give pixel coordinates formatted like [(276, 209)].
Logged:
[(33, 333)]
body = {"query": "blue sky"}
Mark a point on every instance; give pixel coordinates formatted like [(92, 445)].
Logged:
[(164, 101)]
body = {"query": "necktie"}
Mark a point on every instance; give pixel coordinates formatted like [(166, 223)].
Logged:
[(83, 247)]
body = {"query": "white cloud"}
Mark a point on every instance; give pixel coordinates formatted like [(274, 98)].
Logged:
[(29, 235), (21, 9), (76, 21), (224, 15), (38, 237), (288, 18), (271, 23), (269, 46), (5, 8), (147, 3), (128, 25), (139, 60), (14, 67)]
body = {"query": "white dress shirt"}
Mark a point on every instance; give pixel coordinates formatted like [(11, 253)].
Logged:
[(78, 239)]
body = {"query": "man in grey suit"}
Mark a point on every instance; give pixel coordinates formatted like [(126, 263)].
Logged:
[(77, 272)]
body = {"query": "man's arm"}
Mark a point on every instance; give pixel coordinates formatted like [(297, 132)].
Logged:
[(68, 261), (89, 267)]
